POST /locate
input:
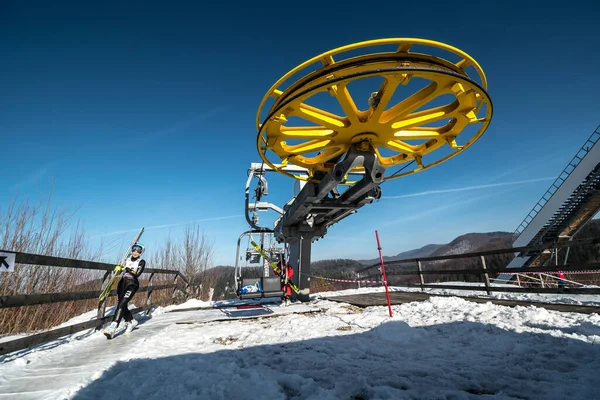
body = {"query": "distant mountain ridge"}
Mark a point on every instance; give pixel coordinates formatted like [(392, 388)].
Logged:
[(424, 251), (466, 243), (472, 242)]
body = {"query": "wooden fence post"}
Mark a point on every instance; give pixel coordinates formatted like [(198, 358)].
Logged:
[(102, 304), (485, 274), (175, 288), (189, 286), (421, 275), (149, 298)]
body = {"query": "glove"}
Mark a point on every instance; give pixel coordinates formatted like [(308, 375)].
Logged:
[(119, 268)]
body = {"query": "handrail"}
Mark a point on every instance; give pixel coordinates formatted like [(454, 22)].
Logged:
[(564, 268), (52, 261), (20, 300), (515, 289), (590, 142)]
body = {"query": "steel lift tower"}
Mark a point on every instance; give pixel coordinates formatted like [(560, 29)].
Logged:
[(418, 96)]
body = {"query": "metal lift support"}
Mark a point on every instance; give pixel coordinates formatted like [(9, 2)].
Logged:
[(360, 149), (258, 170), (571, 201), (319, 205), (316, 207)]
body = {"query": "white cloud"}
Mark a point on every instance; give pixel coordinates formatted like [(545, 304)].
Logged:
[(33, 178), (486, 186), (169, 225), (185, 123)]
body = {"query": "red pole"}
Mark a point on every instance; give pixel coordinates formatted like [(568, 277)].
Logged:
[(387, 294)]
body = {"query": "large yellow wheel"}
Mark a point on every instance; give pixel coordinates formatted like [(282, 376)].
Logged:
[(426, 93)]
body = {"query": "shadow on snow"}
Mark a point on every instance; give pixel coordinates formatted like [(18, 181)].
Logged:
[(460, 360)]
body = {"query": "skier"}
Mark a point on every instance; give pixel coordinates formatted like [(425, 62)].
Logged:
[(562, 280), (128, 285), (286, 269)]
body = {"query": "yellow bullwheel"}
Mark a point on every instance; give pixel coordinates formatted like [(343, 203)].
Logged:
[(415, 103)]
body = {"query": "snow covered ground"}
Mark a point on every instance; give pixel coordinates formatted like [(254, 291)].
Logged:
[(443, 348)]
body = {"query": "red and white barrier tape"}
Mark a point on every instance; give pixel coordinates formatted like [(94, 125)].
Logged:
[(524, 273), (345, 280), (596, 271)]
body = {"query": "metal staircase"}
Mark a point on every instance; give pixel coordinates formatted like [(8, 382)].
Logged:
[(570, 202), (579, 208)]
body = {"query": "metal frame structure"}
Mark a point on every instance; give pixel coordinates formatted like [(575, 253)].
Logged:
[(316, 207), (571, 201), (358, 148)]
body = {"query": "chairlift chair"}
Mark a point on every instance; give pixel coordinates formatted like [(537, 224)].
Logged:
[(268, 286)]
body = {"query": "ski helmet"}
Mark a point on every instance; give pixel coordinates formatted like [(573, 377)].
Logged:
[(138, 246)]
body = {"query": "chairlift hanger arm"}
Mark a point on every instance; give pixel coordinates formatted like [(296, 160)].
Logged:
[(264, 206), (312, 202), (257, 171)]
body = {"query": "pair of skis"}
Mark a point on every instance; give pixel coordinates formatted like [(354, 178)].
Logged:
[(109, 282), (274, 266)]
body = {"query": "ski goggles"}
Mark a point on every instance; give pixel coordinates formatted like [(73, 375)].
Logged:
[(136, 248)]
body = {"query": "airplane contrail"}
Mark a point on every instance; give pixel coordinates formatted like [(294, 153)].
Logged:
[(426, 213), (490, 185), (186, 123), (168, 225), (34, 177)]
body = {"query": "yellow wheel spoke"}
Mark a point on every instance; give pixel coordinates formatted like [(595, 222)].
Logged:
[(325, 156), (426, 116), (385, 93), (343, 96), (413, 102), (305, 132), (318, 116), (400, 146), (313, 145), (418, 133)]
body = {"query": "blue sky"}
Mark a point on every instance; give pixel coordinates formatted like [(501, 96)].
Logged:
[(143, 113)]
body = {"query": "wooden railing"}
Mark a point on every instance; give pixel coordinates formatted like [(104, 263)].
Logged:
[(484, 272), (23, 300)]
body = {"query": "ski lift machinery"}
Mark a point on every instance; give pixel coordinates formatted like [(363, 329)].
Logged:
[(428, 102)]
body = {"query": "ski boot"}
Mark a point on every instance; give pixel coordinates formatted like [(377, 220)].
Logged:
[(131, 325), (110, 330)]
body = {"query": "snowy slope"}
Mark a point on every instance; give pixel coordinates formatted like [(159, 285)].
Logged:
[(437, 349)]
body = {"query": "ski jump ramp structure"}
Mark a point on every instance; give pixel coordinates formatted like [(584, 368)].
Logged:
[(345, 121), (571, 201)]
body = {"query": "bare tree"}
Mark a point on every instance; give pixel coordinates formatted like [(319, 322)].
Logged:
[(196, 257), (39, 227)]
